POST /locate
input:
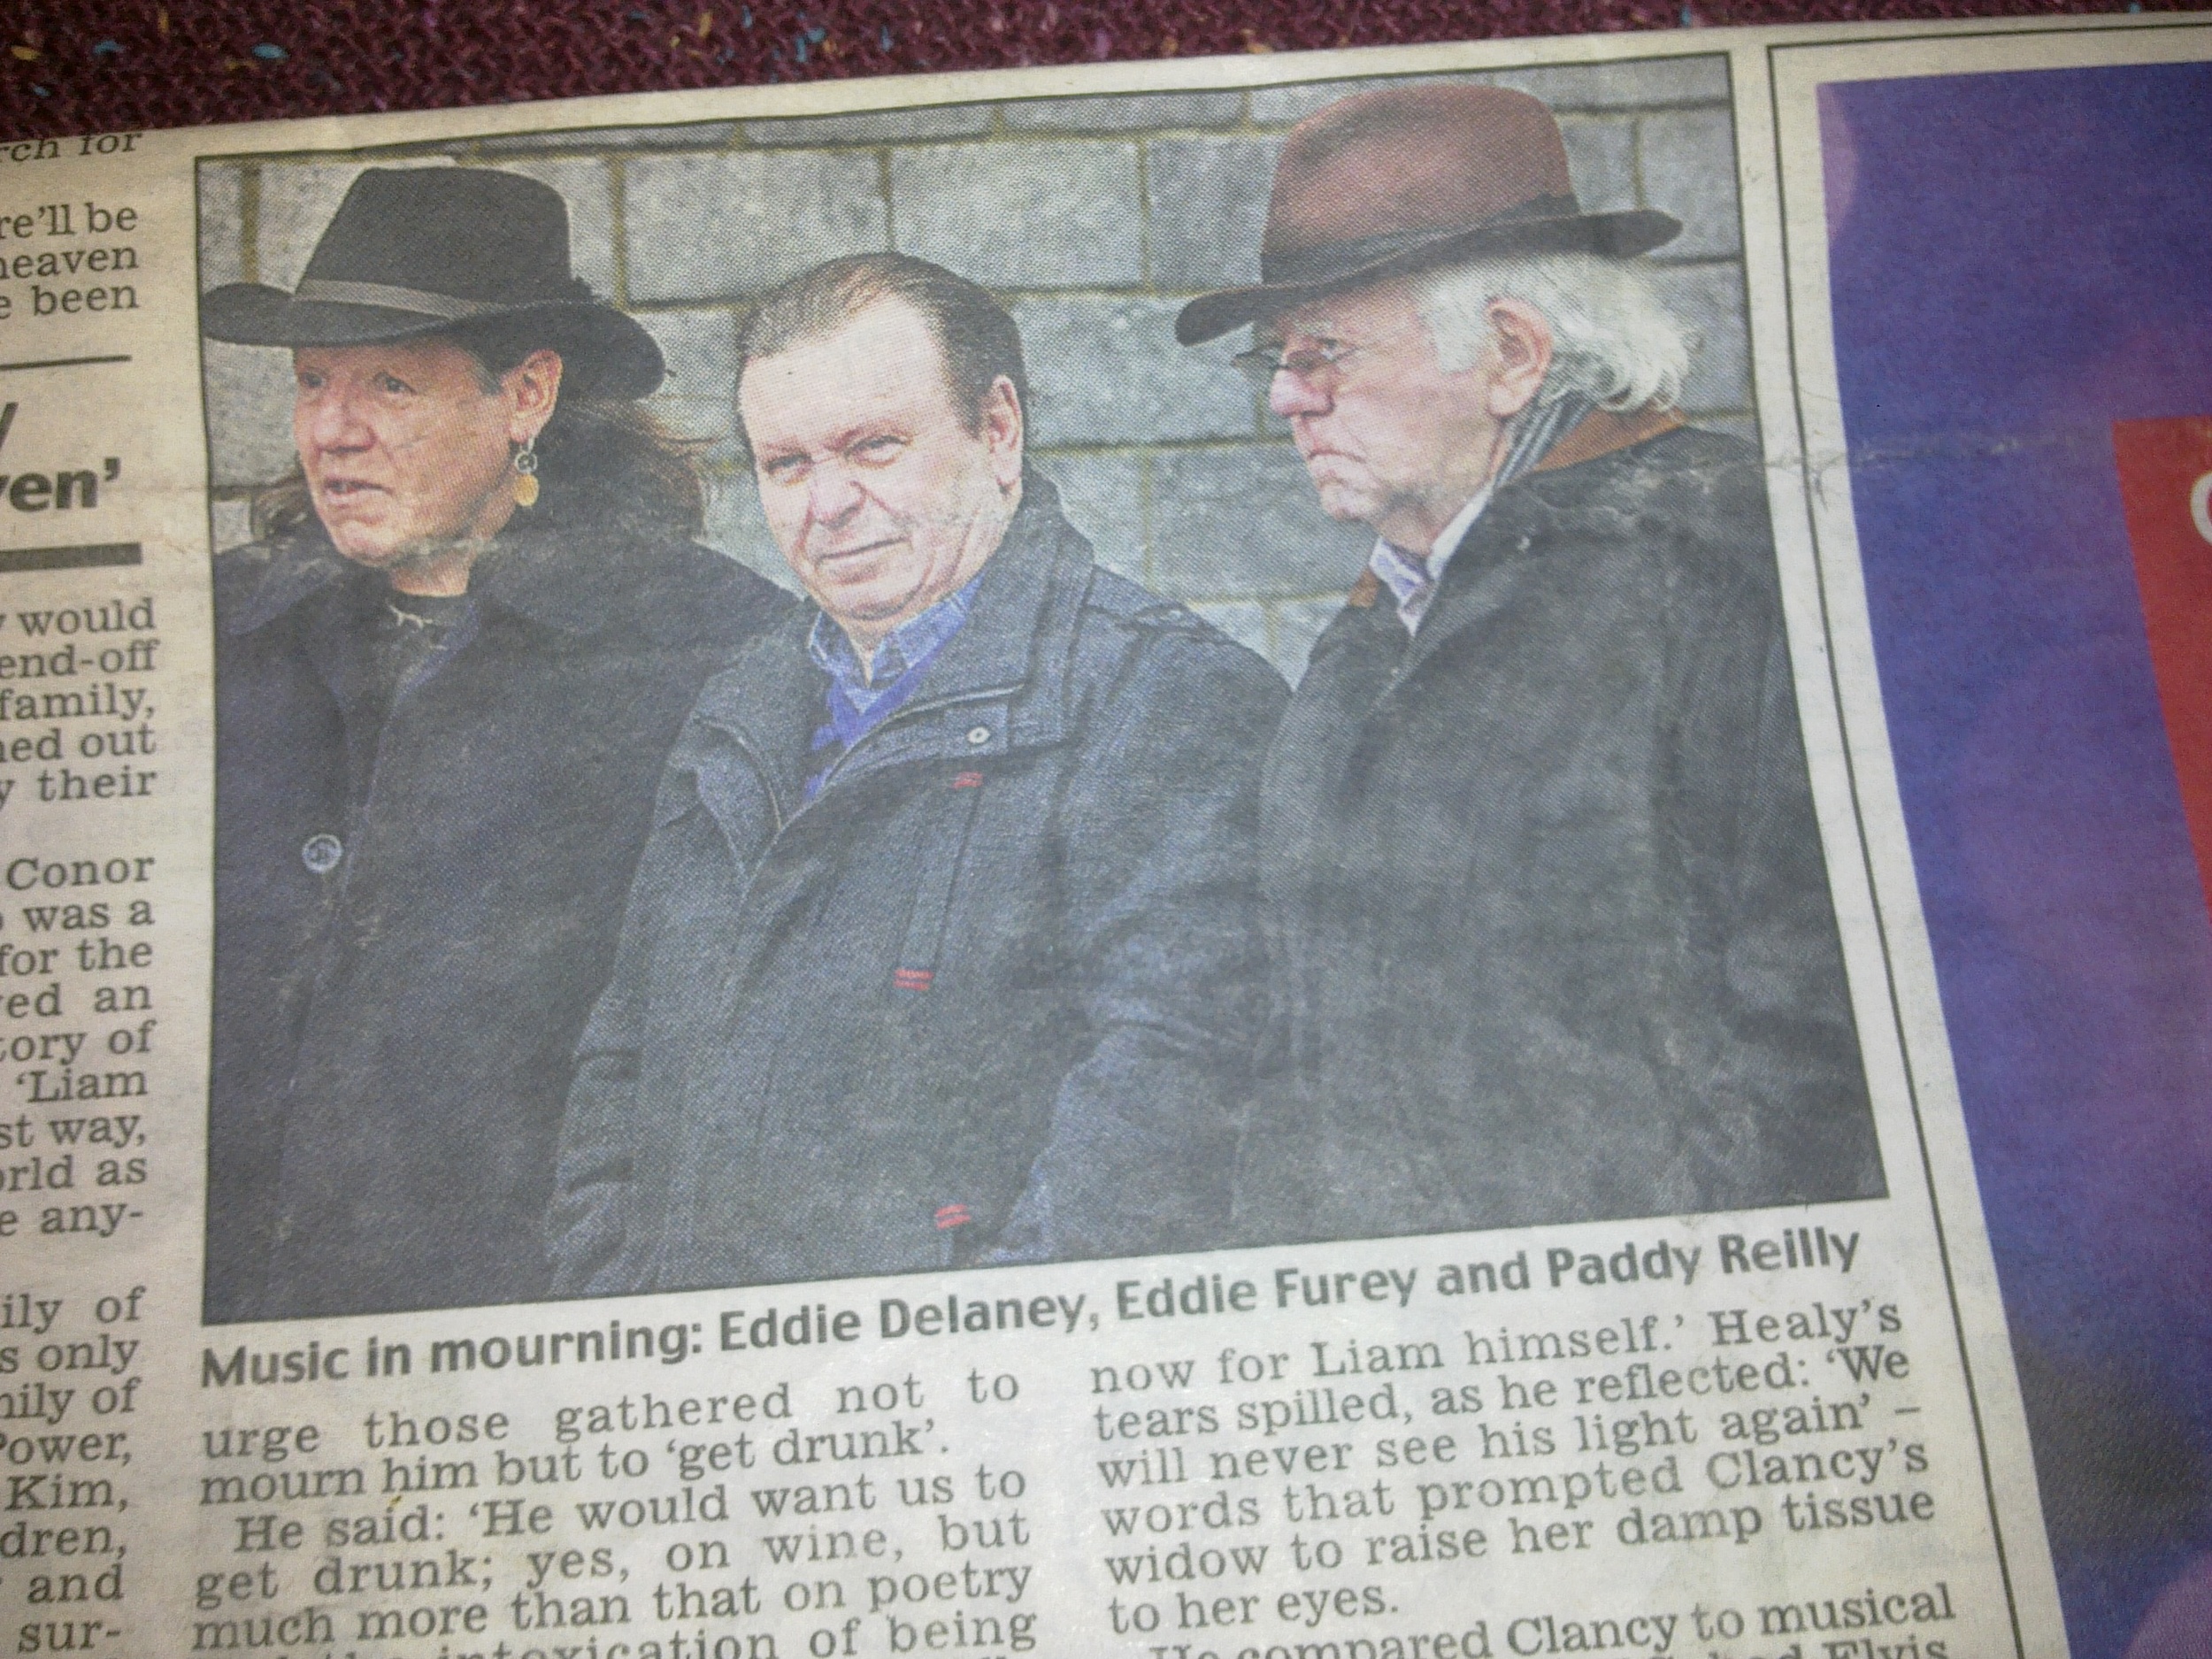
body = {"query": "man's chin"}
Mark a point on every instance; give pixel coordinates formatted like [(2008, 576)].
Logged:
[(1345, 503), (861, 588), (390, 554), (866, 610), (377, 554)]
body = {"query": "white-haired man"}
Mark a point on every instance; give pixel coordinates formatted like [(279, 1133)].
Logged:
[(1550, 927)]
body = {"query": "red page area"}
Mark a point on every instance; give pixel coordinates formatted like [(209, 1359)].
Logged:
[(2166, 489)]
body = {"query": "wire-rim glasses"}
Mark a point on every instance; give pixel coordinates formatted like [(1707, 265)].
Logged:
[(1309, 364)]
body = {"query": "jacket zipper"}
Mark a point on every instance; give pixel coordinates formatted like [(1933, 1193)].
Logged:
[(759, 760)]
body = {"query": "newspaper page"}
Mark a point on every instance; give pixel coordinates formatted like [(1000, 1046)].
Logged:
[(1221, 860)]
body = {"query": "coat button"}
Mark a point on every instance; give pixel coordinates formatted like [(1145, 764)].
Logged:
[(322, 853), (978, 736)]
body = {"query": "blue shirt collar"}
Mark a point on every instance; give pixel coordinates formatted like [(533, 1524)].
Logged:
[(859, 700), (906, 647)]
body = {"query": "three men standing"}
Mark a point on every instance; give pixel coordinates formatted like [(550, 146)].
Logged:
[(944, 950), (1549, 926), (971, 889)]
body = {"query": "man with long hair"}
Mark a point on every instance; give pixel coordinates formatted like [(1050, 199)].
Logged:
[(446, 678)]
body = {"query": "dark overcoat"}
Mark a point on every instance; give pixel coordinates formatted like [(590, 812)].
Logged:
[(1550, 931), (990, 996), (396, 1003)]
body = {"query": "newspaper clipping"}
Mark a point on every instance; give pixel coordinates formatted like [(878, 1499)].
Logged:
[(1162, 862)]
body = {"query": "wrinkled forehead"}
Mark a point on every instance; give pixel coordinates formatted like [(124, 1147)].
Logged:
[(423, 356), (883, 359)]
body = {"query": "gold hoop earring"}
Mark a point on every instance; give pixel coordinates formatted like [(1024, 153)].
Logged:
[(526, 465)]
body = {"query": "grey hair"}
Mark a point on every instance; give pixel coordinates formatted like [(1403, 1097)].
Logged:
[(1612, 341)]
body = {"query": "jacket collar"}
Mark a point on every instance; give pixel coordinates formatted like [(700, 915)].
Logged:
[(1005, 674), (546, 577), (1602, 432), (1599, 433), (1475, 584)]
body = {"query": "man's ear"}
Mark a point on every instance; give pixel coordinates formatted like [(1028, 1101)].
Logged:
[(1002, 429), (532, 388), (1520, 341)]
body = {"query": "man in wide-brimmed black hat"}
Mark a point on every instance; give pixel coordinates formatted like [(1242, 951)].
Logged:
[(446, 678), (1550, 929)]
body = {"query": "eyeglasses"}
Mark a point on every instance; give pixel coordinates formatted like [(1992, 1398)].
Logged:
[(1320, 366), (1310, 364)]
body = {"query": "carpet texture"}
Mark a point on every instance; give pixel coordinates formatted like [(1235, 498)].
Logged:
[(103, 66)]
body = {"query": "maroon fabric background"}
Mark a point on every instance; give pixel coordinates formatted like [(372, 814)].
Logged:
[(94, 66)]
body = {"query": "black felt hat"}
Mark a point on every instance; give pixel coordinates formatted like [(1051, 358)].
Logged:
[(427, 250)]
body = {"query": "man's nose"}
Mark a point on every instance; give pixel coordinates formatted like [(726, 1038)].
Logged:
[(330, 419), (1289, 395), (832, 494)]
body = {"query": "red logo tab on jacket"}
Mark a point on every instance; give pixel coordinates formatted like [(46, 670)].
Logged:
[(2166, 489)]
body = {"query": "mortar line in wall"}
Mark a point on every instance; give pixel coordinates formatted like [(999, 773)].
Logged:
[(1147, 558), (618, 231), (1334, 595), (890, 198), (1228, 443), (998, 140), (250, 222), (1148, 446), (1144, 215)]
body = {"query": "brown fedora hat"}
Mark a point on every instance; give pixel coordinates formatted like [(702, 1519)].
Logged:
[(1392, 182)]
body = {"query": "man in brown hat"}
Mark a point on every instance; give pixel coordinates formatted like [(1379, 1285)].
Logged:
[(1550, 927), (446, 678)]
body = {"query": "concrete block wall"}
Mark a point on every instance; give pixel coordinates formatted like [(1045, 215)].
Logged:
[(1094, 218)]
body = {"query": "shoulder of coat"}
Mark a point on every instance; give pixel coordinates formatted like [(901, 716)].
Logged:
[(249, 559), (1687, 473), (241, 572), (1180, 647), (1698, 451), (1689, 508), (1693, 458), (1136, 607), (694, 593), (246, 556)]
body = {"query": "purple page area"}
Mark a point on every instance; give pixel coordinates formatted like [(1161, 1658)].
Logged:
[(2017, 261)]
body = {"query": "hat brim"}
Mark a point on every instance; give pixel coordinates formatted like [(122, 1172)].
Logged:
[(1619, 235), (606, 349)]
